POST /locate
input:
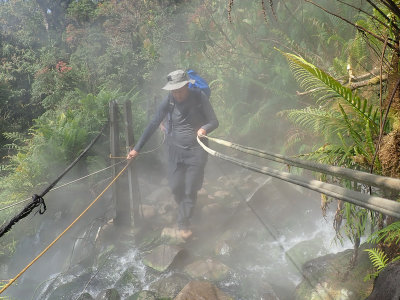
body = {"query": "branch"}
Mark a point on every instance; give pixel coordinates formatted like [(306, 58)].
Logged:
[(377, 147), (392, 7), (373, 81), (353, 24), (382, 13), (363, 11)]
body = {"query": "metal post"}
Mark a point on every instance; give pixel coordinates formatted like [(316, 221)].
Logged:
[(133, 183), (122, 205)]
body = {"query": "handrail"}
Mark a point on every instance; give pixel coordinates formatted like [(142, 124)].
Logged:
[(382, 205), (356, 175)]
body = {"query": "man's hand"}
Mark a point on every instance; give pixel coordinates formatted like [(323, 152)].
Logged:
[(201, 132), (132, 154)]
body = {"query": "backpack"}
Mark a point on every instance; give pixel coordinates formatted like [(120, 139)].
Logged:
[(200, 84)]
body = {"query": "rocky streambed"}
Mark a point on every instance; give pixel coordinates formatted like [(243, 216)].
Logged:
[(254, 238)]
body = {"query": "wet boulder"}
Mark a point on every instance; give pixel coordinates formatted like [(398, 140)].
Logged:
[(85, 296), (128, 280), (208, 269), (222, 195), (148, 211), (329, 277), (171, 236), (143, 295), (162, 257), (201, 290), (387, 284), (109, 294), (222, 248), (306, 250), (169, 287), (73, 287), (212, 209)]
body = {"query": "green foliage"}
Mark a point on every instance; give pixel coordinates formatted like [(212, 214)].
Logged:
[(379, 261), (54, 141), (82, 11), (325, 87), (347, 126), (387, 235), (347, 123)]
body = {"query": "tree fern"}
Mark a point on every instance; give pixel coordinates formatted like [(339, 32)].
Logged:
[(325, 87), (316, 119)]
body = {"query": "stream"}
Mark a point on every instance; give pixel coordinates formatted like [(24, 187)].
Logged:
[(263, 229)]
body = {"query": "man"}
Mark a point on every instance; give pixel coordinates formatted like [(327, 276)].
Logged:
[(189, 115)]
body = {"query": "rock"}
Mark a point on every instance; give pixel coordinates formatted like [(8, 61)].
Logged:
[(208, 269), (387, 284), (167, 219), (223, 248), (168, 288), (171, 236), (143, 295), (128, 280), (85, 296), (109, 294), (198, 290), (73, 287), (159, 194), (148, 211), (164, 208), (212, 208), (202, 192), (221, 194), (330, 275), (161, 257), (146, 238), (306, 250)]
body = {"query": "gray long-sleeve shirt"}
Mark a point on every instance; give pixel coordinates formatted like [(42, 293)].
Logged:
[(188, 117)]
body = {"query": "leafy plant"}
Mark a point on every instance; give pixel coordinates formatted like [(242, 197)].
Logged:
[(379, 260), (347, 126), (387, 235)]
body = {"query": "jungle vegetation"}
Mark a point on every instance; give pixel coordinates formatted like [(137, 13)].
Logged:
[(62, 61)]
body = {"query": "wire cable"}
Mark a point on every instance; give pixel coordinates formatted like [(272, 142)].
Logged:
[(69, 227), (65, 184), (37, 200)]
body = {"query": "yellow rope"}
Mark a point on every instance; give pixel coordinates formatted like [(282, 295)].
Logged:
[(53, 242)]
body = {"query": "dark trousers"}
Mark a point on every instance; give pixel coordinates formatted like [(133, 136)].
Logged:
[(186, 174)]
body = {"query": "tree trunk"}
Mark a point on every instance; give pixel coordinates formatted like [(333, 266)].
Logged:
[(389, 153)]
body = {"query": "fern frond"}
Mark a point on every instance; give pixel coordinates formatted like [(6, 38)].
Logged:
[(325, 87), (388, 234), (378, 258), (315, 119)]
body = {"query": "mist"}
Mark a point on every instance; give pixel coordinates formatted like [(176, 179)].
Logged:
[(257, 226)]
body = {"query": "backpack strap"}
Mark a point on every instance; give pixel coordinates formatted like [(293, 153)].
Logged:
[(171, 106)]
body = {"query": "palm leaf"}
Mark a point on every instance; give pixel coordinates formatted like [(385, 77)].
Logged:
[(325, 87)]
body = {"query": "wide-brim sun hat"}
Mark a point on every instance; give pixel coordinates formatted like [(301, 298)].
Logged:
[(176, 80)]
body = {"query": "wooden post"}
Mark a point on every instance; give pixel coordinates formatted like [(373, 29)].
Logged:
[(122, 205), (133, 183)]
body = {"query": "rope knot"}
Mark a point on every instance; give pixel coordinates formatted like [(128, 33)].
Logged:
[(39, 201)]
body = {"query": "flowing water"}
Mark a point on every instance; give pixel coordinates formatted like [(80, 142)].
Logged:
[(264, 242)]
